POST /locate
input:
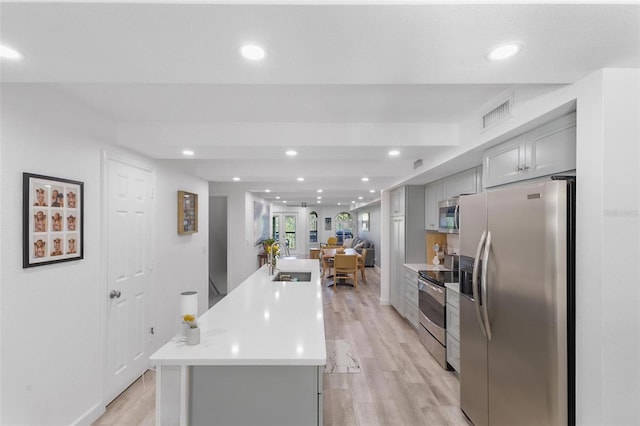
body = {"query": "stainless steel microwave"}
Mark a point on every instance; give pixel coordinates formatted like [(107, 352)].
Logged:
[(449, 216)]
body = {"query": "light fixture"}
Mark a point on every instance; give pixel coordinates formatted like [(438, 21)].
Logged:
[(319, 202), (267, 190), (365, 179), (253, 52), (284, 201), (360, 198), (319, 191), (372, 191), (504, 51), (394, 153), (291, 153), (339, 204), (278, 197), (353, 202), (9, 53), (319, 198), (187, 152), (236, 178), (300, 179)]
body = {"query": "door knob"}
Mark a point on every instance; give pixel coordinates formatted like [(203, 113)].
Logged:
[(114, 294)]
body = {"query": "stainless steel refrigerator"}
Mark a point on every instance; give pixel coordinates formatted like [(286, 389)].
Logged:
[(517, 305)]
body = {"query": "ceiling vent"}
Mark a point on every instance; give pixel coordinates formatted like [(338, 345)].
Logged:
[(497, 114), (417, 163)]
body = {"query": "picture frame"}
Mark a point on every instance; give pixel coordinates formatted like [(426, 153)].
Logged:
[(327, 224), (52, 220), (365, 221), (187, 212)]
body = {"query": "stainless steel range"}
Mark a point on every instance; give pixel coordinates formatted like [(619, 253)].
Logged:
[(433, 316)]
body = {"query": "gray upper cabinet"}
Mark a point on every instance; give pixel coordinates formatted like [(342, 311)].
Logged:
[(548, 149), (432, 195), (398, 201), (461, 183)]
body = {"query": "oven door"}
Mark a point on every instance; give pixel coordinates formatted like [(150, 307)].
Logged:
[(432, 309)]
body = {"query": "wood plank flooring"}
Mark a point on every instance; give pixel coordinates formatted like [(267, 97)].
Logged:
[(400, 383)]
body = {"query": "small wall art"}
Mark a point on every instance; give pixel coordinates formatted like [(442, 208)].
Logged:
[(365, 221), (187, 212), (327, 224), (52, 220)]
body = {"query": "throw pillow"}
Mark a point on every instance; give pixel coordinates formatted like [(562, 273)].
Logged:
[(359, 245), (348, 242)]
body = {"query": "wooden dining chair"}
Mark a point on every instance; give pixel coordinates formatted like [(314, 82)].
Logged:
[(361, 261), (327, 263), (344, 266)]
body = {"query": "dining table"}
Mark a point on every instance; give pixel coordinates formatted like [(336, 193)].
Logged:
[(330, 253)]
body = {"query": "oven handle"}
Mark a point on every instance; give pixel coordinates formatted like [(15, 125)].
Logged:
[(485, 268), (434, 291), (474, 282)]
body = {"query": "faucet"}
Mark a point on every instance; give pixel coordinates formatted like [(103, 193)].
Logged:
[(270, 258)]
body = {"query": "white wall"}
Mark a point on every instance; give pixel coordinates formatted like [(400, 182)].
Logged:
[(374, 233), (52, 360), (608, 252)]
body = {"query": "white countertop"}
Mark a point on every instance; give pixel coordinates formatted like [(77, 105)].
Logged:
[(425, 267), (261, 322)]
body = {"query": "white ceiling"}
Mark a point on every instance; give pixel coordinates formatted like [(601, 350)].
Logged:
[(341, 84)]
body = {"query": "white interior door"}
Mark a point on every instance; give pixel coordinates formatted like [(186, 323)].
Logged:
[(128, 274)]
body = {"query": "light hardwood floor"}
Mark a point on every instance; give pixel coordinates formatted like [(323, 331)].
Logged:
[(400, 383)]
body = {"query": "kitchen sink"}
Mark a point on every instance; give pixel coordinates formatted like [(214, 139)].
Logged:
[(293, 276)]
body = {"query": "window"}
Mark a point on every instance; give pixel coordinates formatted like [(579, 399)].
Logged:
[(290, 231), (313, 227), (344, 225)]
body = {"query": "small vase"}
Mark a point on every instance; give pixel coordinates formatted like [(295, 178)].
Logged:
[(193, 336)]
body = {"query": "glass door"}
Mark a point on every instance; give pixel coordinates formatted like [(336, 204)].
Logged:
[(285, 231)]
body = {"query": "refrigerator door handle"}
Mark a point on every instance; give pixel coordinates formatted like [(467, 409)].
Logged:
[(456, 217), (474, 282), (485, 300)]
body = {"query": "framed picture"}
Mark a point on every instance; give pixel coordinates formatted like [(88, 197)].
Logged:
[(187, 212), (327, 224), (365, 221), (52, 220)]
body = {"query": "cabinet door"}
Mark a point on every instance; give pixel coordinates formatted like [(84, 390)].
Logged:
[(460, 183), (396, 276), (504, 163), (552, 148), (433, 194), (397, 201)]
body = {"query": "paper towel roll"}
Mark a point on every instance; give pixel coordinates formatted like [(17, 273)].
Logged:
[(189, 303)]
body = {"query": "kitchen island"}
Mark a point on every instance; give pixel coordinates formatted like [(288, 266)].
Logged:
[(259, 361)]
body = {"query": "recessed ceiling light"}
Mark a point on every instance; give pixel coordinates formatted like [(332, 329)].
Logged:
[(300, 179), (9, 53), (319, 198), (291, 153), (236, 178), (252, 52), (394, 153), (505, 51), (187, 152), (278, 197), (267, 190), (372, 191), (353, 202), (365, 179), (339, 204), (284, 201), (359, 198), (319, 191), (319, 202)]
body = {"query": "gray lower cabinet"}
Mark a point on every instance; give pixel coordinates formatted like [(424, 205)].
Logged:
[(453, 329), (411, 297), (548, 149)]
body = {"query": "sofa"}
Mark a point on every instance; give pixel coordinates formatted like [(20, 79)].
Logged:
[(358, 244)]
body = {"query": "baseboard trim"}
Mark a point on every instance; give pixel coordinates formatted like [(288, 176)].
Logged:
[(385, 301), (91, 415)]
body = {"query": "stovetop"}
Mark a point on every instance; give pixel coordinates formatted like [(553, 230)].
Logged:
[(440, 277)]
